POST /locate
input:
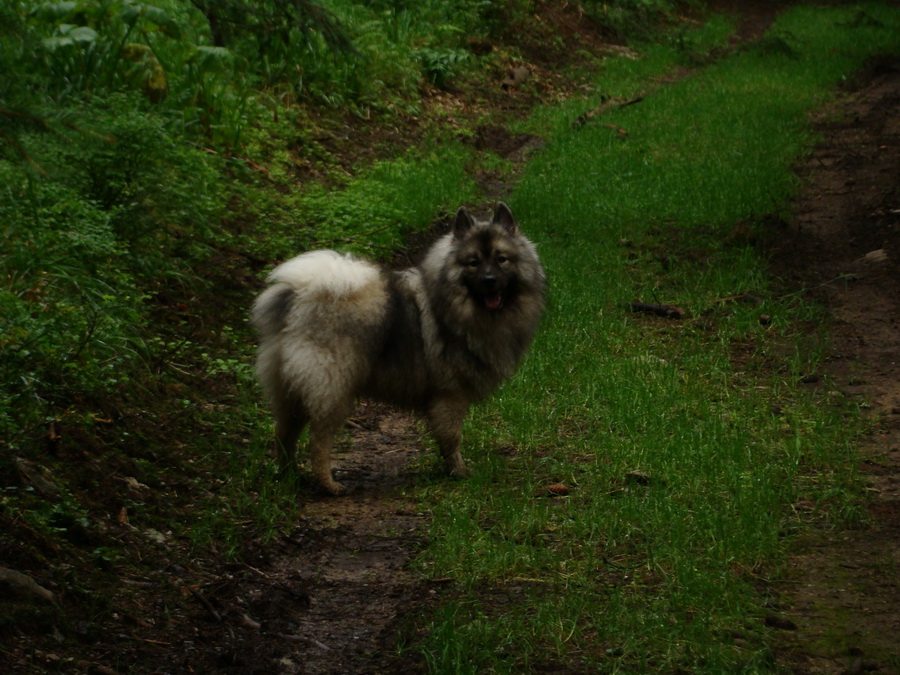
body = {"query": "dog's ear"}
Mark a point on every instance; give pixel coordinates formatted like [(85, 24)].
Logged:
[(463, 223), (504, 218)]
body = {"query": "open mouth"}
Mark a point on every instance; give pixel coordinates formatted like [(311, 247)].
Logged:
[(493, 301)]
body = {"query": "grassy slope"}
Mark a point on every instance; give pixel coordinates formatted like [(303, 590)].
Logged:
[(683, 460)]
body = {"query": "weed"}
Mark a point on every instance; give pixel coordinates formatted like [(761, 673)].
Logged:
[(442, 65)]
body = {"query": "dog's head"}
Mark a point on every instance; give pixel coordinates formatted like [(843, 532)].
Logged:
[(487, 255)]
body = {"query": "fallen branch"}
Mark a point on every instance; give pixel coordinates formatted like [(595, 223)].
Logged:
[(665, 311), (604, 107)]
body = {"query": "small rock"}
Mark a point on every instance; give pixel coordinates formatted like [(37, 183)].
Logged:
[(23, 585), (515, 77), (156, 536), (37, 476), (869, 262), (875, 257)]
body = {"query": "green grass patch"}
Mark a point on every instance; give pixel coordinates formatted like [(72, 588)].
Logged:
[(372, 213), (685, 444)]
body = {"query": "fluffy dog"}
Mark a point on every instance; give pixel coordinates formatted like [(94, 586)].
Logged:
[(434, 338)]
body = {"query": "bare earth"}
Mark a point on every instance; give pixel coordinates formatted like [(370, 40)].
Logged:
[(844, 247), (330, 595)]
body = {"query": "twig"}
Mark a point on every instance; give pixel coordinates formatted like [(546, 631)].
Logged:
[(304, 640), (605, 106), (206, 604)]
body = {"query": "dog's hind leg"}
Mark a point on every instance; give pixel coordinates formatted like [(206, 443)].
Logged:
[(445, 418), (290, 418), (321, 440)]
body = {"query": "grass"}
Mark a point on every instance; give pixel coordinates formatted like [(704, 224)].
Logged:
[(684, 444)]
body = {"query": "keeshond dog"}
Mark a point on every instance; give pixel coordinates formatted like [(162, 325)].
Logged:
[(434, 338)]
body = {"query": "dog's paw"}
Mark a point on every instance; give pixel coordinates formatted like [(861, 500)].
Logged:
[(459, 470), (334, 488)]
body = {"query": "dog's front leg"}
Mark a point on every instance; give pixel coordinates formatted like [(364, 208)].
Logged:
[(445, 418)]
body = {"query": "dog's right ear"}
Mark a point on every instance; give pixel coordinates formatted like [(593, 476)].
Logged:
[(464, 222)]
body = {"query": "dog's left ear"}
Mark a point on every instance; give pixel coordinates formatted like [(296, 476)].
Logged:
[(463, 223), (504, 218)]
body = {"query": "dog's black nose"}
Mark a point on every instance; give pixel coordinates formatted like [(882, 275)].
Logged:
[(489, 281)]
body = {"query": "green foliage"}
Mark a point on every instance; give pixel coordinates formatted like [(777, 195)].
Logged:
[(388, 202), (80, 47), (215, 66), (442, 65), (155, 188), (68, 312), (88, 221), (631, 18)]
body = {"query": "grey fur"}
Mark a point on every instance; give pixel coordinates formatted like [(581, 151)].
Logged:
[(435, 338)]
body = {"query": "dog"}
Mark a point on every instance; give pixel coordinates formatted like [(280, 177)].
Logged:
[(434, 338)]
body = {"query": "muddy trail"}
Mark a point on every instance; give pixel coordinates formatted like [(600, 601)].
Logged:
[(328, 597), (843, 248)]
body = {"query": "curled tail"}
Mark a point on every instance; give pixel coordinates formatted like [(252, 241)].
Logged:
[(271, 309), (315, 276)]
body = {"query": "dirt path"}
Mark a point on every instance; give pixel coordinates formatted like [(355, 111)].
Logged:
[(327, 597), (352, 555), (843, 246)]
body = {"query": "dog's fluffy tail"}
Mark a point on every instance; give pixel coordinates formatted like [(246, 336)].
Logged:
[(321, 274)]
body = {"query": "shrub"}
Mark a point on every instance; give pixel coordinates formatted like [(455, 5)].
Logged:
[(69, 314), (92, 222)]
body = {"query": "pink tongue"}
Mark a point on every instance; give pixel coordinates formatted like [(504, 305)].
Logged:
[(493, 301)]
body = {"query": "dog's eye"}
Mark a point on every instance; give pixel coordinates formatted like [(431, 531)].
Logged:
[(502, 259), (473, 262)]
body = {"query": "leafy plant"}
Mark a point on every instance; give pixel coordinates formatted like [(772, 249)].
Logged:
[(442, 65)]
